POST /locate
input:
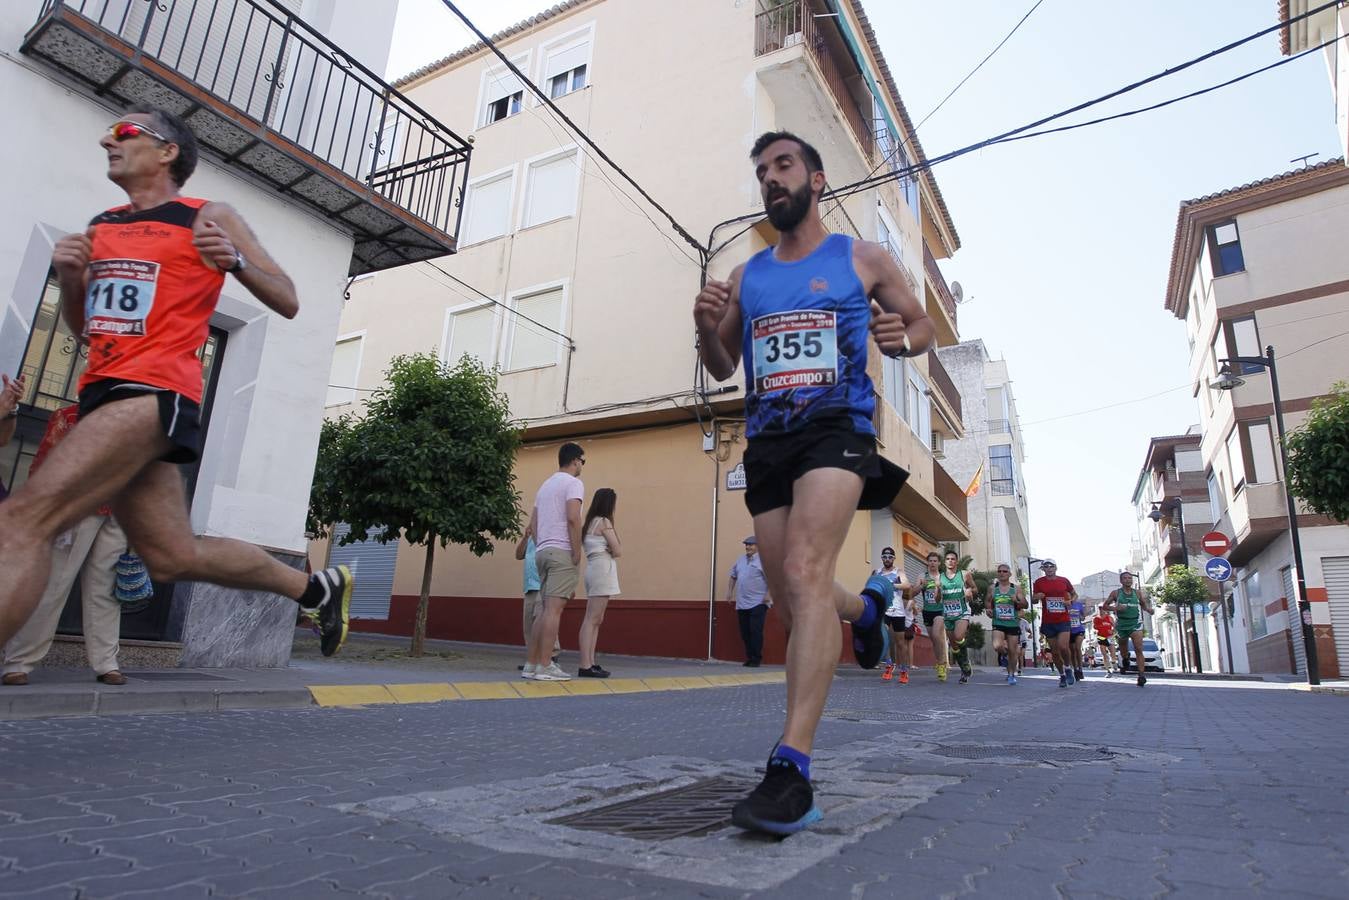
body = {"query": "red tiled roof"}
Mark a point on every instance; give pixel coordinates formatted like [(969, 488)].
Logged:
[(1285, 39)]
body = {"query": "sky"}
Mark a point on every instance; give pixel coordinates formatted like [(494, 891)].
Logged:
[(1065, 239)]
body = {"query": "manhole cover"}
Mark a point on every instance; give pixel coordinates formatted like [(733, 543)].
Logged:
[(176, 676), (1029, 753), (690, 811), (875, 715)]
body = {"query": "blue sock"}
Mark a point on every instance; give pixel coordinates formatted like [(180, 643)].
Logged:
[(795, 757), (869, 613)]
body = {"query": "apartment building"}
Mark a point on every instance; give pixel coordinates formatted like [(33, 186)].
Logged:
[(1328, 27), (260, 87), (1256, 266), (582, 294), (1171, 503)]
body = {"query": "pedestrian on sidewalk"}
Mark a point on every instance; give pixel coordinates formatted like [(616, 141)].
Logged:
[(533, 605), (556, 525), (89, 551), (749, 591), (602, 548)]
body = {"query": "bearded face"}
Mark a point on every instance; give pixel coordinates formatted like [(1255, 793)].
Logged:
[(786, 209)]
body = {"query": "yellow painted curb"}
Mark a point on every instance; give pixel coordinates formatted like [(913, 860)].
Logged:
[(696, 681), (540, 688), (625, 685), (589, 686), (423, 693), (722, 680), (664, 684), (350, 694), (486, 690)]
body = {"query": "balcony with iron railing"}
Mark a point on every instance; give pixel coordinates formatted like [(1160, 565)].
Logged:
[(940, 289), (945, 387), (795, 23), (269, 96)]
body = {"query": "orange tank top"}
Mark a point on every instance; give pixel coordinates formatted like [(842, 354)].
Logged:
[(150, 298)]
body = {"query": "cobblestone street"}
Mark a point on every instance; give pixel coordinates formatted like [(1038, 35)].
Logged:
[(1193, 789)]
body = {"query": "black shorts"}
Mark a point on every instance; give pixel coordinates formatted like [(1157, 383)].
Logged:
[(179, 417), (1103, 641), (897, 623), (1013, 630), (773, 463), (931, 617)]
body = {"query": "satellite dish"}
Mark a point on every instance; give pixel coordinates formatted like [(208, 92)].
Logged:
[(957, 292)]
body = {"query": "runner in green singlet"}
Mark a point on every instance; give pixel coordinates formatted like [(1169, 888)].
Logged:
[(1005, 601), (957, 589), (1126, 603), (932, 612)]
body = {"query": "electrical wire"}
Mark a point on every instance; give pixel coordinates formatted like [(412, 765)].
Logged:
[(500, 312), (573, 127), (495, 302)]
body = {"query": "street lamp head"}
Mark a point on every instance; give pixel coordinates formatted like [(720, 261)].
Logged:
[(1227, 380), (1156, 514)]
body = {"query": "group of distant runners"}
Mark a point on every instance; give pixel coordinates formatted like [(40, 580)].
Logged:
[(943, 599)]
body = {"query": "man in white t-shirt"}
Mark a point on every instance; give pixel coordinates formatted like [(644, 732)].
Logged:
[(556, 526)]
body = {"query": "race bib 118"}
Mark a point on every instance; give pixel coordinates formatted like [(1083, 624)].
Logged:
[(121, 294)]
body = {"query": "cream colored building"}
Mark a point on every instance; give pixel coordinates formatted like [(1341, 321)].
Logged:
[(1255, 266), (582, 293), (1324, 27)]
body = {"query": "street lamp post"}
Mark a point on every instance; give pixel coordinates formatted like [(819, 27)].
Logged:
[(1185, 648), (1226, 382)]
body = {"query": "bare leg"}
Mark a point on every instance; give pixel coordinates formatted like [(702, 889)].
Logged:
[(904, 651), (1013, 654), (152, 510), (800, 546), (590, 629), (1141, 667), (939, 641)]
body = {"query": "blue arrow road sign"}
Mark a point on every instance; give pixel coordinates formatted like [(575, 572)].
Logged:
[(1218, 569)]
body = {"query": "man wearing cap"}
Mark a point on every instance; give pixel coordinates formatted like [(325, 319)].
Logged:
[(1055, 595), (749, 590)]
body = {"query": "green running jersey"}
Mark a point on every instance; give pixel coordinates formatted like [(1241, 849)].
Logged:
[(1004, 606), (931, 600), (953, 604), (1126, 609)]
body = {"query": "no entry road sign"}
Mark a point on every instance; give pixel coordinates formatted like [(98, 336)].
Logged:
[(1215, 543)]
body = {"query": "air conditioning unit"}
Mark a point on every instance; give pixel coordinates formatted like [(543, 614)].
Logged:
[(938, 446)]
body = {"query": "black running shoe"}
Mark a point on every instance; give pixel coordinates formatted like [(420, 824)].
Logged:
[(1142, 679), (782, 804), (872, 644), (594, 671), (334, 609), (1077, 673)]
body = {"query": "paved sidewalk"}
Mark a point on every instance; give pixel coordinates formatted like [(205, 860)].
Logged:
[(371, 669)]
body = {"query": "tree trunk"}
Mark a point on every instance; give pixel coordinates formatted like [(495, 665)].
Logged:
[(423, 602), (1184, 640)]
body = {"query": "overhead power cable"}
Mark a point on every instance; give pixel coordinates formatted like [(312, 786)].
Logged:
[(575, 129), (495, 302)]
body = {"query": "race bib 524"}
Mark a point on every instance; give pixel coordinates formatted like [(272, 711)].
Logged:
[(121, 294), (794, 349)]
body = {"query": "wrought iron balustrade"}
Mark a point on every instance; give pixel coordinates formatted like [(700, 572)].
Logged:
[(266, 93)]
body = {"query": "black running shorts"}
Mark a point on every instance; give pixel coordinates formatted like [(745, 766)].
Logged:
[(774, 462), (179, 417), (931, 616)]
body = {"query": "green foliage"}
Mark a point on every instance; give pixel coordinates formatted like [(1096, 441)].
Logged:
[(1183, 586), (982, 579), (433, 460), (974, 636), (1318, 464), (325, 495)]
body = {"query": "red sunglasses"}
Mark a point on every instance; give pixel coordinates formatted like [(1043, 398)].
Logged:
[(122, 131)]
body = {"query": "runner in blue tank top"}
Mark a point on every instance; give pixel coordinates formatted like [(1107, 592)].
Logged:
[(798, 315)]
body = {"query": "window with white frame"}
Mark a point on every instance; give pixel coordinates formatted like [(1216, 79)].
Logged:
[(1243, 339), (487, 209), (566, 65), (919, 407), (1236, 463), (530, 342), (893, 382), (471, 331), (345, 370), (1257, 447), (551, 187), (1255, 604), (502, 92)]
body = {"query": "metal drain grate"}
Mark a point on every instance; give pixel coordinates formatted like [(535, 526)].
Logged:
[(176, 676), (1027, 752), (875, 715), (691, 811)]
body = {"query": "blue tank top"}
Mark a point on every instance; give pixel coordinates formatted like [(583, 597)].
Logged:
[(804, 344)]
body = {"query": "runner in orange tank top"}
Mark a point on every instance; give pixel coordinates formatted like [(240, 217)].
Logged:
[(140, 285)]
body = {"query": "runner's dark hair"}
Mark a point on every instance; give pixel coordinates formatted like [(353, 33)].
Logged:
[(176, 130), (809, 155)]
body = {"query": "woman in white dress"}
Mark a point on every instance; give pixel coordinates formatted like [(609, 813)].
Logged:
[(601, 545)]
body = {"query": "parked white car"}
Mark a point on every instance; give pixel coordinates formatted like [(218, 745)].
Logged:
[(1152, 656)]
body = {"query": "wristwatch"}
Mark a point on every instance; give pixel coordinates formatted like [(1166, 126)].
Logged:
[(908, 348), (241, 265)]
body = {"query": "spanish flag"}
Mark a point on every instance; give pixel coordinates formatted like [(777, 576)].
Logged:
[(974, 482)]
